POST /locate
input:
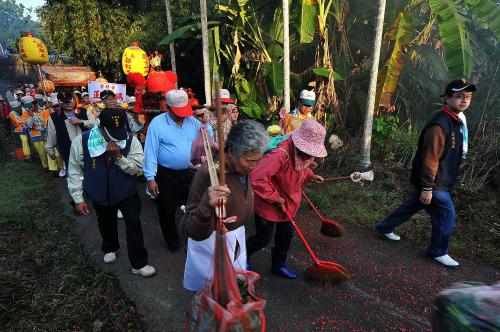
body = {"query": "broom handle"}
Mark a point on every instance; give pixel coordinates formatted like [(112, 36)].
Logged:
[(220, 133), (313, 256), (312, 205), (339, 178)]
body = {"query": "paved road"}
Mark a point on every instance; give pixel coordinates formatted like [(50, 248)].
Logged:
[(392, 287)]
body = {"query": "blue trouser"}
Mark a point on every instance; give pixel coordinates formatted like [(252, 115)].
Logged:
[(441, 211)]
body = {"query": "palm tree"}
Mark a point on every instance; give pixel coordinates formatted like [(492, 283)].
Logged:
[(169, 29), (367, 135)]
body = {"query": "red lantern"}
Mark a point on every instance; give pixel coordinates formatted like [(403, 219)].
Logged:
[(160, 81)]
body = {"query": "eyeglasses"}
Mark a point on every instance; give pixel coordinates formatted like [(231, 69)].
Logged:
[(463, 97)]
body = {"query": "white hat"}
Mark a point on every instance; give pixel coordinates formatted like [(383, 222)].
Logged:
[(130, 99), (84, 94), (39, 96), (32, 85), (19, 92), (27, 99), (225, 96), (178, 102), (308, 97)]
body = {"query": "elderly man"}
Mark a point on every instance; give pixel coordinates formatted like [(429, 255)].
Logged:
[(167, 155), (107, 158), (62, 128)]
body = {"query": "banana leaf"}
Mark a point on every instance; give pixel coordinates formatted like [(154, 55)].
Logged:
[(455, 37), (308, 18), (402, 33), (488, 12)]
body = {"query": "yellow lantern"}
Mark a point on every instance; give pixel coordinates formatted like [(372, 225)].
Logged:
[(135, 60), (33, 50), (47, 86)]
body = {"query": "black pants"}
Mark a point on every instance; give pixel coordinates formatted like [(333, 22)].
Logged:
[(174, 190), (107, 220), (282, 239)]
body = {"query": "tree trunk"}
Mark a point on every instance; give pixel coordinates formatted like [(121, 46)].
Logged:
[(325, 88), (370, 104), (206, 59), (286, 55), (169, 29)]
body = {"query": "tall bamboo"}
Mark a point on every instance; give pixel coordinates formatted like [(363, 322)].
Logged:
[(370, 104), (204, 42), (169, 29)]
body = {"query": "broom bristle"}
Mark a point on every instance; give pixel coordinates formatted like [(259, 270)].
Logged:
[(327, 274), (332, 229)]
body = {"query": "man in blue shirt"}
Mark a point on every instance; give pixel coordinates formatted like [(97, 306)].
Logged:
[(167, 155)]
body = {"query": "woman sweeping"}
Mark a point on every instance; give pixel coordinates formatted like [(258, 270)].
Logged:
[(244, 148), (277, 184)]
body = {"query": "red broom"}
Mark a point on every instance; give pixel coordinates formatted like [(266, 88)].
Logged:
[(328, 227), (320, 270)]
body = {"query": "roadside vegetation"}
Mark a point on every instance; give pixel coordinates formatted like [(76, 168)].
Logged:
[(46, 282)]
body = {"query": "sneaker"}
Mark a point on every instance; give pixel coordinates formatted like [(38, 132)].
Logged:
[(119, 215), (393, 237), (146, 271), (446, 260), (110, 257), (62, 172)]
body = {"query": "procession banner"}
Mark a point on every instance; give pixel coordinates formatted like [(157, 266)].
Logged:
[(95, 89), (68, 76)]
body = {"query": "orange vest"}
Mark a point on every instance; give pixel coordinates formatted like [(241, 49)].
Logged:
[(17, 122)]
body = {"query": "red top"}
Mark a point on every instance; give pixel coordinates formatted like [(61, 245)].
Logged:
[(276, 177)]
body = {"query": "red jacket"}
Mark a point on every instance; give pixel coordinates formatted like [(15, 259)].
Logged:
[(276, 177)]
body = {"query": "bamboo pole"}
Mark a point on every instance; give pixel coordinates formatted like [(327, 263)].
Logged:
[(204, 42)]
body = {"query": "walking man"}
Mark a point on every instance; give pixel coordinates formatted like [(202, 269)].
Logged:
[(167, 154), (108, 158), (441, 148)]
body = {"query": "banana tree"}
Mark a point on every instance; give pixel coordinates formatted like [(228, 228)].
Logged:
[(414, 27), (314, 17), (244, 52)]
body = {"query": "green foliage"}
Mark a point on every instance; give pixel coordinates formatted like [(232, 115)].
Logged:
[(489, 13), (94, 32), (308, 18), (454, 34), (15, 20), (385, 128)]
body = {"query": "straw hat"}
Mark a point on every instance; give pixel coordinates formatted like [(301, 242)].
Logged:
[(310, 139)]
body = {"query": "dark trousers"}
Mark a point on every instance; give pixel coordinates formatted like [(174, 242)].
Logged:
[(174, 190), (441, 211), (107, 220), (282, 239)]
